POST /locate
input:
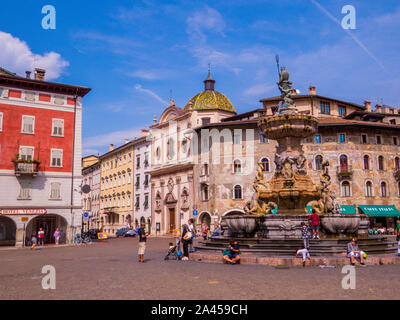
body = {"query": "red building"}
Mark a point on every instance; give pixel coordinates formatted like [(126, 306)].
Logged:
[(40, 157)]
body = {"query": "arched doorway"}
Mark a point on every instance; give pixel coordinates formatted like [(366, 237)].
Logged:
[(49, 223), (149, 225), (7, 231), (205, 218)]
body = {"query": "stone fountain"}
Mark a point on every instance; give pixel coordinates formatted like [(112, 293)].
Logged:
[(291, 188)]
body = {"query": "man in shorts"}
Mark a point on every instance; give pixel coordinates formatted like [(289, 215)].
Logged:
[(353, 252), (231, 254), (142, 234)]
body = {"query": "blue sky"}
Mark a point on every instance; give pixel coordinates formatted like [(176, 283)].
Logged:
[(133, 53)]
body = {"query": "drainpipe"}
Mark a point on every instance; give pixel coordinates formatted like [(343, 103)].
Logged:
[(73, 167)]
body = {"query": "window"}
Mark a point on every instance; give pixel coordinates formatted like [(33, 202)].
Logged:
[(146, 180), (137, 203), (205, 121), (318, 162), (342, 111), (383, 190), (368, 189), (381, 163), (342, 138), (138, 162), (28, 124), (237, 166), (55, 191), (129, 157), (343, 163), (137, 184), (317, 139), (345, 189), (394, 140), (237, 192), (204, 169), (392, 121), (26, 153), (397, 163), (325, 107), (146, 201), (146, 159), (56, 158), (237, 138), (366, 162), (129, 177), (129, 200), (263, 139), (378, 140), (25, 192), (1, 121), (58, 128), (123, 179), (265, 164), (364, 139), (204, 192), (124, 158)]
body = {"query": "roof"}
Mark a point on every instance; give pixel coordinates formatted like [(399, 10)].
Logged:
[(129, 144), (331, 121), (8, 78), (303, 96), (210, 100)]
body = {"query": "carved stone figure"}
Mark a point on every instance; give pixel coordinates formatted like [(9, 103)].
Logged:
[(278, 163), (285, 86), (300, 161)]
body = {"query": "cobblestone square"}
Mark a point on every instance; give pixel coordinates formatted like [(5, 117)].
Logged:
[(110, 271)]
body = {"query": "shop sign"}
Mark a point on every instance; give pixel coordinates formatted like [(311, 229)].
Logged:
[(22, 212)]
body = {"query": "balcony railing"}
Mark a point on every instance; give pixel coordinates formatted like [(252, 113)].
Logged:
[(344, 171), (22, 167)]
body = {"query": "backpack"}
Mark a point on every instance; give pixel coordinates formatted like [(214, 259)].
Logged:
[(188, 235)]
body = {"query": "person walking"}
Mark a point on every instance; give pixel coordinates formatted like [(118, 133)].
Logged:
[(142, 241), (41, 237), (57, 236), (193, 231), (186, 238), (314, 217)]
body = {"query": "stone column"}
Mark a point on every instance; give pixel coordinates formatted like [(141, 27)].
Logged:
[(19, 237)]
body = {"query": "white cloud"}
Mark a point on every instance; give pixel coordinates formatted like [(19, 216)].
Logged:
[(139, 87), (259, 89), (16, 56), (97, 144), (207, 19), (149, 74)]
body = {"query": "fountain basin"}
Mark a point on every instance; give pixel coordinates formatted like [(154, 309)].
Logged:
[(341, 224), (241, 225)]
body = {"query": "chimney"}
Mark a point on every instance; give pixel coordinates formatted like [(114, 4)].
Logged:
[(39, 74), (293, 92), (126, 141), (367, 105), (145, 132), (312, 91), (155, 119), (111, 147), (28, 74), (378, 108)]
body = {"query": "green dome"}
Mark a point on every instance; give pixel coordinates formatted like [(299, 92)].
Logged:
[(210, 100)]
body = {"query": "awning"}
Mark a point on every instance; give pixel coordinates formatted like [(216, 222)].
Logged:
[(380, 210), (344, 209)]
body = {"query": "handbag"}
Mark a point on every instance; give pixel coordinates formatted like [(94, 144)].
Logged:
[(188, 235)]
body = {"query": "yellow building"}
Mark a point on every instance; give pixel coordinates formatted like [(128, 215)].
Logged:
[(89, 160), (116, 188)]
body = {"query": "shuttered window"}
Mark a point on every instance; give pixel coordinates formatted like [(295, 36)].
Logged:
[(56, 158), (28, 124), (58, 127), (55, 192)]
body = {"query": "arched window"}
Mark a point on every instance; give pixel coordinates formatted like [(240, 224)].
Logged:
[(318, 162), (343, 163), (237, 190), (380, 163), (383, 189), (397, 163), (366, 162), (237, 166), (368, 189), (346, 189), (265, 164)]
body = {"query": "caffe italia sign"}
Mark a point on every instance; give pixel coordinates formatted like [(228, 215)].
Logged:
[(22, 212)]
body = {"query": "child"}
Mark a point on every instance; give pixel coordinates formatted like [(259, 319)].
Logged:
[(305, 254), (305, 231), (33, 240)]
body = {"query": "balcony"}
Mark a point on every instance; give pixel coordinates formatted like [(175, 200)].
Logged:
[(344, 172), (26, 168), (396, 174)]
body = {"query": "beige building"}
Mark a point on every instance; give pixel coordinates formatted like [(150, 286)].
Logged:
[(116, 188)]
